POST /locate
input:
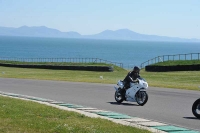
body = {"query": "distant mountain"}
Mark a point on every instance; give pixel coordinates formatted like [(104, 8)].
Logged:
[(41, 31), (126, 34), (122, 34)]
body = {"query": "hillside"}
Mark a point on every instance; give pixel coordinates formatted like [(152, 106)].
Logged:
[(121, 34)]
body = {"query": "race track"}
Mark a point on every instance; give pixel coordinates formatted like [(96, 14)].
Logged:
[(171, 106)]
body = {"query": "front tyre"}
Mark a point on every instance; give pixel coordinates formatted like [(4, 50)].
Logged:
[(118, 97), (141, 97), (196, 108)]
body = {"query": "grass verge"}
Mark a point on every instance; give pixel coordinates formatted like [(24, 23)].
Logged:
[(24, 116), (188, 80)]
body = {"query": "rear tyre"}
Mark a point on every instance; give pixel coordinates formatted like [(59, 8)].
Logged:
[(141, 97), (118, 97), (196, 108)]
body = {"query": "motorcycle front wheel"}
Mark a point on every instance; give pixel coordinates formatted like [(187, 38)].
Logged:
[(141, 97), (196, 108), (118, 97)]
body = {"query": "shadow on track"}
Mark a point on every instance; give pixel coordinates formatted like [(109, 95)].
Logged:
[(126, 104), (193, 118)]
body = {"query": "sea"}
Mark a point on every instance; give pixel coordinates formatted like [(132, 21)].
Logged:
[(130, 53)]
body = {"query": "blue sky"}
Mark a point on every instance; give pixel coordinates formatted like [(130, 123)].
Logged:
[(174, 18)]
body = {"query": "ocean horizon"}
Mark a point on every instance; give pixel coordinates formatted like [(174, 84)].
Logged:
[(130, 53)]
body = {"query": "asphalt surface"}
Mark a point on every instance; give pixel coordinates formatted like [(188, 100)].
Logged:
[(170, 106)]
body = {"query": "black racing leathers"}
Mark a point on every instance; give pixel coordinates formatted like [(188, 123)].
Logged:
[(131, 77)]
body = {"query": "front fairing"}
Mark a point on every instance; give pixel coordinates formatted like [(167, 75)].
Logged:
[(140, 84), (120, 83)]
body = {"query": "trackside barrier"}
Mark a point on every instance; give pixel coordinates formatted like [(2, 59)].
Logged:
[(85, 68), (172, 68)]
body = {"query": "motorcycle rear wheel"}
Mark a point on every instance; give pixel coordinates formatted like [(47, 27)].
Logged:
[(118, 97), (141, 97), (196, 108)]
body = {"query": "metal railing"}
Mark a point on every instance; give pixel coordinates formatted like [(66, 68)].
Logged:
[(67, 60), (190, 56)]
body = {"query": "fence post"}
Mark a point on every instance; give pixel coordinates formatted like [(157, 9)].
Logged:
[(163, 58)]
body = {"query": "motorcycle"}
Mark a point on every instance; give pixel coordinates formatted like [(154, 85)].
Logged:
[(196, 108), (136, 92)]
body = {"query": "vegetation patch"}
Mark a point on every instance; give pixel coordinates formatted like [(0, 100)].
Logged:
[(178, 62), (54, 63), (25, 116), (180, 65)]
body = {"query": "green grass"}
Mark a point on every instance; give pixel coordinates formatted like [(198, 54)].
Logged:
[(176, 79), (25, 116), (189, 80), (64, 75), (178, 62)]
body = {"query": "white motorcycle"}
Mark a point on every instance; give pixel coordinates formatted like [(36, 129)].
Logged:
[(136, 92)]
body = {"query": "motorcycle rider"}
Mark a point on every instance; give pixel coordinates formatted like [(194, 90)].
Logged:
[(130, 77)]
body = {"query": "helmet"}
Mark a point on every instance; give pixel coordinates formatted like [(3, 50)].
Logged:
[(136, 69)]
